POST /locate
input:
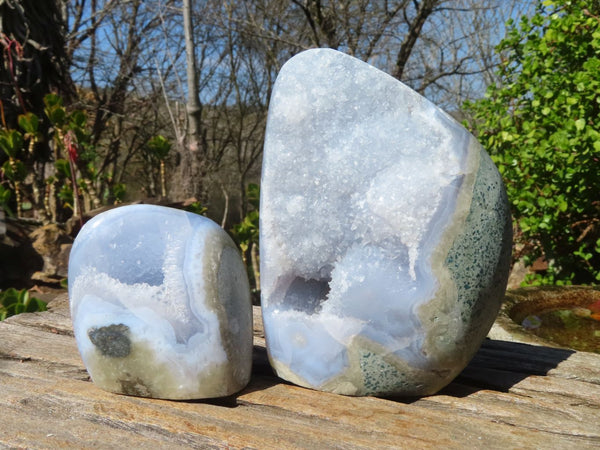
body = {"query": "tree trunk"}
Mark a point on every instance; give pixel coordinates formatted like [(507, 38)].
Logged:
[(424, 10), (188, 174)]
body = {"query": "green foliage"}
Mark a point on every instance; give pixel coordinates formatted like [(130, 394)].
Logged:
[(541, 125), (158, 147), (62, 168), (5, 195), (118, 192), (246, 236), (14, 170), (29, 123), (196, 208), (75, 170), (246, 232), (16, 302), (253, 195), (155, 153), (11, 141), (55, 111), (65, 194)]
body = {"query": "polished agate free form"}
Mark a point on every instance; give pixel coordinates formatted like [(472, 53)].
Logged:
[(385, 233), (160, 304)]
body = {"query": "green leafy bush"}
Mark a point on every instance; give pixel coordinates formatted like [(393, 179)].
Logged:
[(156, 151), (5, 200), (74, 156), (197, 208), (246, 236), (541, 125), (246, 232), (14, 302)]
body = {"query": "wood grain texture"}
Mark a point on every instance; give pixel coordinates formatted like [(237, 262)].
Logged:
[(510, 396)]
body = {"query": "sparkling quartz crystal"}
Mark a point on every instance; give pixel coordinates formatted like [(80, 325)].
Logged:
[(160, 304), (385, 233)]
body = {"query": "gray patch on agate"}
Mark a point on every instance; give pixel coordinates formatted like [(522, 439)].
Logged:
[(112, 340)]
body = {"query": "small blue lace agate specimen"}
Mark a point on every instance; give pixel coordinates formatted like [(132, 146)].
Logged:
[(160, 304)]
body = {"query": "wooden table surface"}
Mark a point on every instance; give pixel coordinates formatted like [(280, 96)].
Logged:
[(510, 396)]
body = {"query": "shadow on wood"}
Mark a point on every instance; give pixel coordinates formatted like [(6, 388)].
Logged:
[(500, 365)]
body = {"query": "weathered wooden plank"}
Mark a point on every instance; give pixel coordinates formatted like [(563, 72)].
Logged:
[(572, 393), (511, 395), (56, 320), (230, 421), (265, 415), (25, 342), (523, 412), (537, 360), (491, 421)]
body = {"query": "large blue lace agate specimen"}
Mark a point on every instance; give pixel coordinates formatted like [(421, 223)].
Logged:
[(385, 233)]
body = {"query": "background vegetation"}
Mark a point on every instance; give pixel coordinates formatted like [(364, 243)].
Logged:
[(166, 100), (541, 122)]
